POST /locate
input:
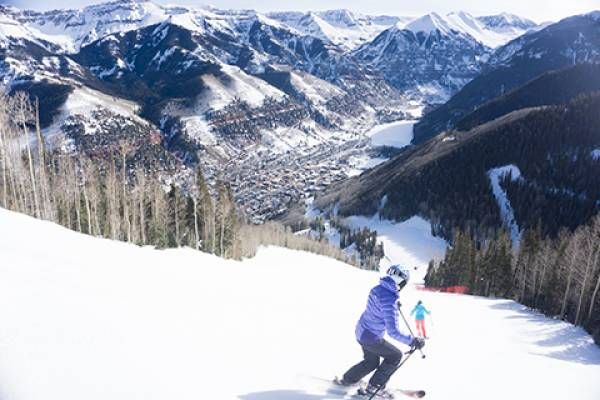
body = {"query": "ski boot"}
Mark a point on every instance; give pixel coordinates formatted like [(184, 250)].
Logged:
[(380, 394), (341, 382)]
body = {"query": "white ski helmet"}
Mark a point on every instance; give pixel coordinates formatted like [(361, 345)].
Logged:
[(399, 274)]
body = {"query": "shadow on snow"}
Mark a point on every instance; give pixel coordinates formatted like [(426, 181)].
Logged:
[(571, 343), (291, 395)]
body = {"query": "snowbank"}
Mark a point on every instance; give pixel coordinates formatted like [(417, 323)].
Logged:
[(88, 318)]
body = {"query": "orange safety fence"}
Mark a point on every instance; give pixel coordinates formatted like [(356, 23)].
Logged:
[(447, 289)]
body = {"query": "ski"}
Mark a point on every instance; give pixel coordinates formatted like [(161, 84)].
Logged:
[(415, 394)]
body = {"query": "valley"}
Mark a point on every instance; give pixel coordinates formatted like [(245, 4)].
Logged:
[(196, 201), (266, 184)]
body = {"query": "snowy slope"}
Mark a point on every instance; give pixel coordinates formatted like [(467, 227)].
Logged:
[(394, 134), (87, 318), (83, 101), (408, 243), (341, 27), (492, 31), (11, 28), (506, 212), (72, 29)]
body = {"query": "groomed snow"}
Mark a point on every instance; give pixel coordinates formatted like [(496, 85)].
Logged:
[(87, 318), (408, 243), (506, 212), (394, 134)]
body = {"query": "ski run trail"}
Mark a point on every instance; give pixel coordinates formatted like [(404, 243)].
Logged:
[(83, 318)]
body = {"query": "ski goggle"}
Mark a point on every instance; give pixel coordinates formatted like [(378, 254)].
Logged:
[(401, 285)]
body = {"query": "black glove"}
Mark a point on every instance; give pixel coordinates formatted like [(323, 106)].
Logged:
[(417, 343)]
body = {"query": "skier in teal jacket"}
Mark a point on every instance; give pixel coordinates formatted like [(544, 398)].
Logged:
[(419, 311)]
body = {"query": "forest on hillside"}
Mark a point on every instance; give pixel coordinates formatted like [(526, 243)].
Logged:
[(122, 196), (558, 276), (446, 180)]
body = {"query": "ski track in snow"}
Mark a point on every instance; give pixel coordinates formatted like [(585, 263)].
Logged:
[(506, 211), (88, 318)]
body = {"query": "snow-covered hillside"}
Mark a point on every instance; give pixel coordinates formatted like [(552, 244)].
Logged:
[(394, 134), (342, 27), (87, 318), (492, 31)]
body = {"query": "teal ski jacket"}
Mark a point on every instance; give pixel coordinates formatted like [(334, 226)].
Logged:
[(419, 312)]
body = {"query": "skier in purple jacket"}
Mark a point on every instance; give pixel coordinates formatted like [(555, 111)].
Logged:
[(380, 316)]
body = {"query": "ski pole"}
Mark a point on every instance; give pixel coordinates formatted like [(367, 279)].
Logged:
[(410, 353), (409, 329)]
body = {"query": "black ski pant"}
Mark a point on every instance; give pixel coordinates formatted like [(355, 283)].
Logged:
[(372, 354)]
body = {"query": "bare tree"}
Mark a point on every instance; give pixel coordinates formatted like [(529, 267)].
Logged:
[(125, 148), (590, 248), (23, 115), (112, 194), (3, 148), (141, 193), (46, 206), (573, 254), (594, 235)]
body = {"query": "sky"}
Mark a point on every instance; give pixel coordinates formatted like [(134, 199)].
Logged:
[(537, 10)]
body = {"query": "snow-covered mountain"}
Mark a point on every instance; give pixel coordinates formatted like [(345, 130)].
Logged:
[(349, 29), (228, 85), (183, 324), (342, 27), (506, 21), (72, 29), (573, 40), (216, 87), (436, 55), (427, 56), (491, 31)]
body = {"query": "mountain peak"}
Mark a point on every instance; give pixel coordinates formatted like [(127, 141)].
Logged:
[(491, 31), (595, 15), (340, 17), (430, 23), (506, 21)]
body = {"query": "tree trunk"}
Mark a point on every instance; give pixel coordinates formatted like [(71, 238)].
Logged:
[(571, 268), (597, 287), (36, 207), (125, 205), (87, 209), (142, 219), (588, 267), (196, 231), (43, 180)]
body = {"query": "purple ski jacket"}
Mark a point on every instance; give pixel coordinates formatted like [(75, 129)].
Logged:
[(381, 315)]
